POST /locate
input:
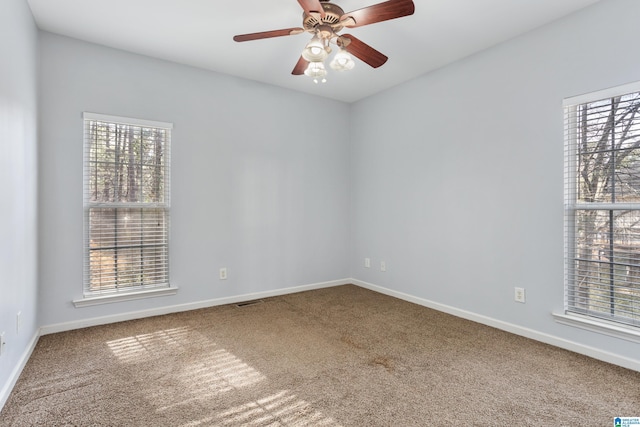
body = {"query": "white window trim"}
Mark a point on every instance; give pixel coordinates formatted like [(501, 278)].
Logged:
[(600, 326), (126, 120), (594, 324), (89, 300), (601, 94)]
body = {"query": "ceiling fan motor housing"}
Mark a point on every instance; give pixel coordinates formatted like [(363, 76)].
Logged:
[(332, 15)]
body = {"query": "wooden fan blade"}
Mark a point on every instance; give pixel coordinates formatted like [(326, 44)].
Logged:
[(377, 13), (312, 7), (268, 34), (302, 65), (362, 51)]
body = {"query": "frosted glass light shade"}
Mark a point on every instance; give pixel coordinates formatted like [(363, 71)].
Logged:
[(317, 71), (342, 61), (314, 51)]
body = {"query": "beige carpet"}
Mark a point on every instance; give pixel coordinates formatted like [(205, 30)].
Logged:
[(342, 356)]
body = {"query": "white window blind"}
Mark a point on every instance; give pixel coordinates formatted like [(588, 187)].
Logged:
[(602, 205), (126, 204)]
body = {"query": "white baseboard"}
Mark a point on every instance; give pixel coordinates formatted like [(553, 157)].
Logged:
[(595, 353), (17, 370), (84, 323)]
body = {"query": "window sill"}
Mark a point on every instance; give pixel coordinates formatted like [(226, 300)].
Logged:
[(600, 326), (119, 297)]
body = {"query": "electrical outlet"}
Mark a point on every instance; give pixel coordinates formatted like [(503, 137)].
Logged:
[(519, 295), (223, 273), (18, 322), (2, 343), (367, 262), (383, 266)]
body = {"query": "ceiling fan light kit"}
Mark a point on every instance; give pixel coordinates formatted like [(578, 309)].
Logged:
[(325, 20), (317, 71), (315, 50), (342, 61)]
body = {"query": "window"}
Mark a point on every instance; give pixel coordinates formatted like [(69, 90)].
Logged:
[(602, 205), (126, 205)]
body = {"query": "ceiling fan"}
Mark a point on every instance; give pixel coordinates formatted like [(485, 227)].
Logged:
[(325, 20)]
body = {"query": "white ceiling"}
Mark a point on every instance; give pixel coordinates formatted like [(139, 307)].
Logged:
[(199, 33)]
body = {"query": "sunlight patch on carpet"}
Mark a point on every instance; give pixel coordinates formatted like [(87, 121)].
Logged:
[(281, 408), (144, 347), (204, 369), (217, 372), (221, 371)]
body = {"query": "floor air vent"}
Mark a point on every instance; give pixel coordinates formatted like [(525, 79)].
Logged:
[(248, 303)]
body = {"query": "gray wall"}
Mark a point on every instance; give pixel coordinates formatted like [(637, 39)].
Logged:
[(18, 192), (253, 188), (459, 186)]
